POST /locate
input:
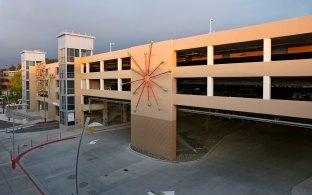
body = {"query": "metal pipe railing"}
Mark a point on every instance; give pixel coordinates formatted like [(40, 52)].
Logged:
[(257, 119)]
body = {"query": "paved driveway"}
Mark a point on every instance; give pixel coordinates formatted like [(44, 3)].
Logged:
[(264, 159), (6, 124)]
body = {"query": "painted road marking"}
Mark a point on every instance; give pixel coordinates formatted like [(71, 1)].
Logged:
[(161, 193), (93, 141)]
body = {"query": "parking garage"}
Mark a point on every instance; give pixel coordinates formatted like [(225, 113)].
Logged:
[(200, 129), (108, 112)]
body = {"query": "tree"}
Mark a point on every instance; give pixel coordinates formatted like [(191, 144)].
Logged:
[(16, 83), (49, 61), (12, 67)]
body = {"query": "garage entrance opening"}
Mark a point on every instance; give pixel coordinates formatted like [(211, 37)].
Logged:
[(108, 112), (200, 129)]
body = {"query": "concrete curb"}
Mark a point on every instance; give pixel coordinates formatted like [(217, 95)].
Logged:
[(18, 158)]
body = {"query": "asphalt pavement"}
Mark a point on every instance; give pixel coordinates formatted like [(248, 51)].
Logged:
[(261, 159), (15, 181)]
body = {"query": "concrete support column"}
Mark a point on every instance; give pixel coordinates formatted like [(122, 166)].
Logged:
[(119, 82), (82, 84), (267, 50), (209, 86), (87, 84), (82, 99), (101, 66), (82, 68), (124, 113), (105, 114), (207, 123), (101, 84), (266, 87), (87, 67), (210, 55), (119, 64)]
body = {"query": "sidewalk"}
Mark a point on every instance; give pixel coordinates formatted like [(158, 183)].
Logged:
[(4, 118), (15, 181)]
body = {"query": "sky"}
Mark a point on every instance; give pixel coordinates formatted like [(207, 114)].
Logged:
[(34, 24)]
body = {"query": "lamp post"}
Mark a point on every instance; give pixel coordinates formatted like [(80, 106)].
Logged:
[(44, 109), (110, 46), (13, 131), (210, 21), (89, 128), (77, 159), (2, 102)]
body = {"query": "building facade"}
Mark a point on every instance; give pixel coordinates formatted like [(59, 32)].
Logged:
[(45, 90), (5, 79), (29, 59), (259, 70), (70, 45)]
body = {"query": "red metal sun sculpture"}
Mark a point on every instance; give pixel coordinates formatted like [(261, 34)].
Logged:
[(147, 80)]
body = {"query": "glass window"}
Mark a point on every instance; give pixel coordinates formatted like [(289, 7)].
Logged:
[(70, 87), (63, 100), (70, 71), (71, 100), (62, 55), (85, 52), (76, 52), (29, 63), (70, 84), (71, 54)]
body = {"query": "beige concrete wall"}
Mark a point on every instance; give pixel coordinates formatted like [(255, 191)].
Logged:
[(273, 68), (269, 30), (153, 130), (299, 109), (33, 89), (52, 99), (94, 83), (154, 135), (73, 40)]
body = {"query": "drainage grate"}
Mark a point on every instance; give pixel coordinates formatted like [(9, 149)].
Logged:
[(92, 192), (71, 177), (83, 184)]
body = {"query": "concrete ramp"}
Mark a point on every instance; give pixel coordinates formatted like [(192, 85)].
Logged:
[(303, 188), (263, 159)]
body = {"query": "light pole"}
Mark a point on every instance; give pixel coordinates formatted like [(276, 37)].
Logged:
[(13, 132), (77, 159), (44, 109), (2, 102), (210, 21), (89, 128), (110, 46)]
